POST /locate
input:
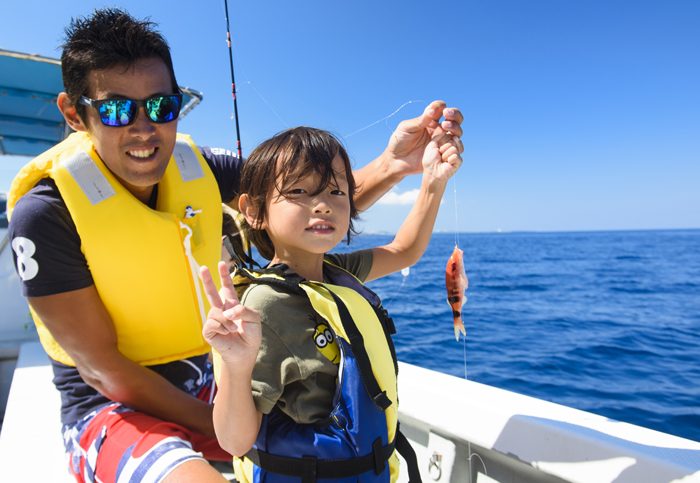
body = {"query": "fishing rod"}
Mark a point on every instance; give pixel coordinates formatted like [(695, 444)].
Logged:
[(233, 83), (247, 246)]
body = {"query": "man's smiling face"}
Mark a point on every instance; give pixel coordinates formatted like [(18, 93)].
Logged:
[(136, 154)]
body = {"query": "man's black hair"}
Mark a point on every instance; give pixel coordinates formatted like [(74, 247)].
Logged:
[(107, 38)]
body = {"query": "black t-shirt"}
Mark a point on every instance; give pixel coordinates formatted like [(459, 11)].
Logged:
[(48, 259)]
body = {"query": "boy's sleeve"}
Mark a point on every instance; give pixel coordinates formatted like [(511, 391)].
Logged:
[(358, 263), (276, 366)]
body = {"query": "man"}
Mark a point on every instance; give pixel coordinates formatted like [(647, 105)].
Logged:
[(108, 230)]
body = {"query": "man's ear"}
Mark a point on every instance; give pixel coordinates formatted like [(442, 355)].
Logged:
[(250, 211), (70, 113)]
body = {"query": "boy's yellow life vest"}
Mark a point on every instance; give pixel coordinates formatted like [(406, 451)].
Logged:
[(375, 340), (144, 262)]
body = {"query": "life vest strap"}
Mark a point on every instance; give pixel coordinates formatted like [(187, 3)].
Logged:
[(409, 455), (358, 347), (389, 329), (273, 277), (310, 469)]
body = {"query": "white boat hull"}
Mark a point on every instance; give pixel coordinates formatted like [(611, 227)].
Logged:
[(482, 433)]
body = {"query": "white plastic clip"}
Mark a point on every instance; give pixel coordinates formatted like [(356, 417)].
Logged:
[(191, 212)]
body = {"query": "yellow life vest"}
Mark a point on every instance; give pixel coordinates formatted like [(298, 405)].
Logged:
[(374, 338), (144, 262)]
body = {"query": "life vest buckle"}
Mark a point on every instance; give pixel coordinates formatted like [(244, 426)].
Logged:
[(382, 400), (388, 321)]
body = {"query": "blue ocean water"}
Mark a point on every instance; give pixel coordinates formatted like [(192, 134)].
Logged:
[(607, 322)]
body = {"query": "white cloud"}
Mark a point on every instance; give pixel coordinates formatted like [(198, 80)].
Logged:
[(393, 197)]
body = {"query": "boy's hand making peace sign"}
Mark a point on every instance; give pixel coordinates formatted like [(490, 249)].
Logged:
[(232, 329)]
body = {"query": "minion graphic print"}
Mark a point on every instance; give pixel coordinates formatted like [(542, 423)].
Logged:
[(324, 338)]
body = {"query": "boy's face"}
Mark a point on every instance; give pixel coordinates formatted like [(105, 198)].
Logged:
[(136, 154), (300, 222)]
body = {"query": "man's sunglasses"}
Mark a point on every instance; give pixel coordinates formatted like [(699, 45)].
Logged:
[(122, 112)]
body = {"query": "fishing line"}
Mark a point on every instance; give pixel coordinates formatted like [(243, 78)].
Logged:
[(406, 271), (285, 123), (454, 192), (464, 339), (464, 355), (233, 83), (382, 119)]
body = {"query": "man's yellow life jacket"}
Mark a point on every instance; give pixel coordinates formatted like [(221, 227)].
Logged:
[(144, 262)]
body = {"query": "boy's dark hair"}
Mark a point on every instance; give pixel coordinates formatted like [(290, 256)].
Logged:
[(290, 156), (108, 38)]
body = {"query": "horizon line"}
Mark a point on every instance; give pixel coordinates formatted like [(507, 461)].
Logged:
[(508, 232)]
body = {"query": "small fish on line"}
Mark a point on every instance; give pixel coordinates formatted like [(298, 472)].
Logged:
[(456, 282)]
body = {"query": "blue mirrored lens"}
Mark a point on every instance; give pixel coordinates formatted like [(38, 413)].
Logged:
[(163, 108), (117, 112)]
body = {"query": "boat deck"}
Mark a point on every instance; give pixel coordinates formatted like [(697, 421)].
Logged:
[(461, 430), (30, 442)]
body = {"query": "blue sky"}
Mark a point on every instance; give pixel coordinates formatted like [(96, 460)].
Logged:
[(580, 115)]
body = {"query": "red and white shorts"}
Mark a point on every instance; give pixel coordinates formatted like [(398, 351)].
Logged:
[(117, 444)]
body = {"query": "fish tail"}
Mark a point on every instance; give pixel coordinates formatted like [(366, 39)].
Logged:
[(459, 325)]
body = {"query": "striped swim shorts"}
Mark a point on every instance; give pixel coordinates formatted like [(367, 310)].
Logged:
[(114, 443)]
